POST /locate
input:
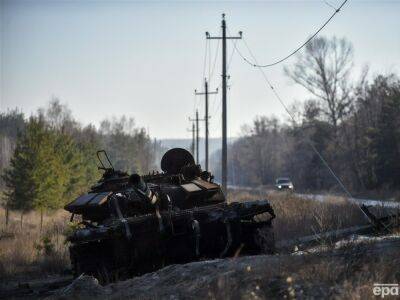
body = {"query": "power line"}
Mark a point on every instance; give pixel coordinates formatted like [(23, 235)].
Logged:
[(294, 121), (206, 117), (224, 152), (204, 70), (211, 73), (215, 59), (194, 103), (330, 5), (193, 131), (228, 68), (229, 86), (255, 64), (205, 60), (197, 119), (277, 96), (209, 60), (206, 49)]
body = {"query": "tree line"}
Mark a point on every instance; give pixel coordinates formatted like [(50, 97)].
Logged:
[(353, 125), (50, 158)]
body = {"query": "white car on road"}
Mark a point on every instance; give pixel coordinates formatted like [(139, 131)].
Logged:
[(284, 183)]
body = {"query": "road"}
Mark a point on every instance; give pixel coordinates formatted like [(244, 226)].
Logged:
[(321, 197)]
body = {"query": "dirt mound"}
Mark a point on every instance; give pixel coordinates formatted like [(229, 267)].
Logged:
[(239, 278), (343, 270), (83, 287)]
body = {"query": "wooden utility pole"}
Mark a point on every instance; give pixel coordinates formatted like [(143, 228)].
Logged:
[(193, 131), (206, 116), (224, 169), (196, 120)]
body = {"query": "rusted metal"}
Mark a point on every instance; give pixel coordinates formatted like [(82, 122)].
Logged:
[(135, 224)]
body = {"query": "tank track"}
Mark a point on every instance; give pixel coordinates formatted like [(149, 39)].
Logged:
[(90, 259), (108, 262)]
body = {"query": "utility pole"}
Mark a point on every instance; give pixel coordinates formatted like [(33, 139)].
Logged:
[(193, 131), (206, 117), (197, 135), (224, 112)]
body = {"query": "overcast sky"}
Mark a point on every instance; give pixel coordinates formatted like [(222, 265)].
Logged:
[(144, 60)]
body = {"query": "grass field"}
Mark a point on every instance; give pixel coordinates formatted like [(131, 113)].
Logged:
[(28, 252), (296, 217)]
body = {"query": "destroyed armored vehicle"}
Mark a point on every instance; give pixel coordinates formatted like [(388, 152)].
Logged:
[(128, 225)]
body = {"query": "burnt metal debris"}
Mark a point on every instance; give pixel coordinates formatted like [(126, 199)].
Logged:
[(132, 224)]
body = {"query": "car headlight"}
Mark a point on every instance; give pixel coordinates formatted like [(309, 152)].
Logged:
[(279, 186), (290, 186)]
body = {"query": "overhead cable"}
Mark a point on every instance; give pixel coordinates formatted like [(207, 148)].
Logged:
[(255, 64), (277, 96)]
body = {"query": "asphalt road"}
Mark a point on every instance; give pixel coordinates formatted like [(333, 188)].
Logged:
[(322, 198)]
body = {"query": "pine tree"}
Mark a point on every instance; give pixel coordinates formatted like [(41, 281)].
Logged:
[(35, 179), (73, 165)]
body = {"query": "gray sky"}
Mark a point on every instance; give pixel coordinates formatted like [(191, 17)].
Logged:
[(144, 59)]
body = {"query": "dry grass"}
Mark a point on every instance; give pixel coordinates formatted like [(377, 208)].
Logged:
[(29, 253), (350, 276), (32, 254), (296, 217)]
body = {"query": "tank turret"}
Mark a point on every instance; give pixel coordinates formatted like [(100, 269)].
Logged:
[(132, 224)]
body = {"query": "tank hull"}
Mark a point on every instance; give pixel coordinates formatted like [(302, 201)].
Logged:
[(133, 246), (130, 224)]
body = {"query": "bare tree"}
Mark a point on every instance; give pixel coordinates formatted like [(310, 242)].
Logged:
[(323, 69)]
